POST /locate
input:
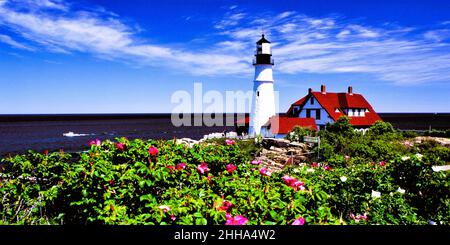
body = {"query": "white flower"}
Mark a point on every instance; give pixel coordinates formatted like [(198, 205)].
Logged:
[(419, 156), (376, 194), (343, 178), (310, 170), (402, 191), (405, 158)]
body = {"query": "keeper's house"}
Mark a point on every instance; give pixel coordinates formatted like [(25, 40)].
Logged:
[(317, 109)]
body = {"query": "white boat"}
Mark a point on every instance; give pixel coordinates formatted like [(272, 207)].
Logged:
[(72, 134)]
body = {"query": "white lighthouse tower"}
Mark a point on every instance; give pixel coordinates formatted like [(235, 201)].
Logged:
[(263, 106)]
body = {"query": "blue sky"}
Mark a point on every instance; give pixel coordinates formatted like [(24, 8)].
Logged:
[(86, 56)]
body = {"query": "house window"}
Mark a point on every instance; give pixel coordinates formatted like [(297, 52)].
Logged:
[(308, 113), (318, 114), (350, 112), (311, 101)]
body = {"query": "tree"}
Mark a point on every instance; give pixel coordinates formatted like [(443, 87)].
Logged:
[(381, 128)]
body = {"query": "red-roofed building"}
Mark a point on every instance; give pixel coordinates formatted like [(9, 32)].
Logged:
[(280, 126), (326, 107)]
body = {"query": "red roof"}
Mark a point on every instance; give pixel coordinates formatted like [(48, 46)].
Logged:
[(298, 102), (241, 121), (284, 125), (332, 101)]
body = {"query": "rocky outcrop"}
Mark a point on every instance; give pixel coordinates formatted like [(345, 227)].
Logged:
[(421, 139), (187, 141), (277, 153)]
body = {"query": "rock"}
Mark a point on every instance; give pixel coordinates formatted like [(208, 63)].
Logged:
[(232, 135), (441, 168), (442, 141), (277, 153), (276, 149), (187, 141), (268, 142)]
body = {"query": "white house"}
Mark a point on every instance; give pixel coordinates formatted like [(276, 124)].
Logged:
[(326, 107)]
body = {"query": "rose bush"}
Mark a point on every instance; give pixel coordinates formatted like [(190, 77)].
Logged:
[(161, 182)]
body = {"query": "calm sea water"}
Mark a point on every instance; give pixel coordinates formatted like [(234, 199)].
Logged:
[(19, 133)]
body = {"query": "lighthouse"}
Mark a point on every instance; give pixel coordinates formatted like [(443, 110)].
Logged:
[(263, 104)]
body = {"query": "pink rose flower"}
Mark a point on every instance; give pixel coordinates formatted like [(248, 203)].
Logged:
[(120, 146), (96, 142), (238, 220), (173, 218), (347, 158), (256, 162), (288, 180), (299, 221), (265, 172), (293, 182), (231, 168), (165, 208), (202, 168), (153, 151), (382, 163), (359, 217), (315, 165), (226, 206), (172, 168), (230, 142), (298, 185), (327, 168), (181, 166)]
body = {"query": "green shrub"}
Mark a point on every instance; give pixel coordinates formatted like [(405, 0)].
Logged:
[(128, 185), (381, 128), (298, 133)]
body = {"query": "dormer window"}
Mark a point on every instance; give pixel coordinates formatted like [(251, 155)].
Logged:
[(356, 112), (337, 110)]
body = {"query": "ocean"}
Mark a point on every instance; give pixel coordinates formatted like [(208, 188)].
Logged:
[(19, 133)]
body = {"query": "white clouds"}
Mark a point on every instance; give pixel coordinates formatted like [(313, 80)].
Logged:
[(334, 45), (230, 20), (107, 37), (284, 14), (8, 40), (363, 31), (437, 35), (54, 4), (301, 43), (80, 33), (342, 34)]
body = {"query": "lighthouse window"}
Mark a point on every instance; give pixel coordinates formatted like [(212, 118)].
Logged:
[(257, 93)]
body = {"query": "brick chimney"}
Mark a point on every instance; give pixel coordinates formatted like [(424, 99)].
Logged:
[(323, 89), (350, 90), (310, 90)]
